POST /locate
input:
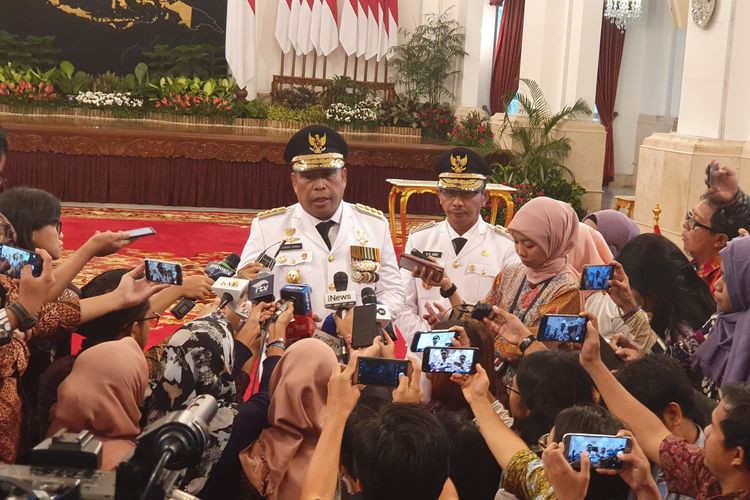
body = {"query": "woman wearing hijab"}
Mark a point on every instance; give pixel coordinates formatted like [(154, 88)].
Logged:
[(616, 228), (724, 357), (590, 249), (544, 231), (102, 394), (276, 464)]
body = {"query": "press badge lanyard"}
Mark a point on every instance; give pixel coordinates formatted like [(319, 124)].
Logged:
[(523, 315)]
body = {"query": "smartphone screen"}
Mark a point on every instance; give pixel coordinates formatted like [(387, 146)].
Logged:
[(596, 277), (134, 234), (449, 359), (562, 328), (161, 271), (13, 259), (380, 371), (602, 449), (436, 338)]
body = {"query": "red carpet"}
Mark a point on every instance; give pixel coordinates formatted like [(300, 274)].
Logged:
[(192, 238)]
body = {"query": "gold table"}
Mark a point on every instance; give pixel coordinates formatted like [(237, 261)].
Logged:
[(405, 188)]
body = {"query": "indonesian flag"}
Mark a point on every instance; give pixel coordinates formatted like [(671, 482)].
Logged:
[(283, 13), (329, 30), (293, 22), (373, 29), (304, 27), (383, 29), (349, 26), (391, 26), (317, 9), (240, 40), (362, 13)]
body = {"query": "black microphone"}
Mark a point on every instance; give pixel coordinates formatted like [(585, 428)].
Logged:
[(365, 323), (342, 299), (368, 296), (214, 270), (382, 314), (261, 288)]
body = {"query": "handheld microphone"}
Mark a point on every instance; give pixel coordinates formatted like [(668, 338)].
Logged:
[(342, 299), (382, 314), (225, 268), (231, 290), (300, 295), (261, 288), (365, 324), (214, 270)]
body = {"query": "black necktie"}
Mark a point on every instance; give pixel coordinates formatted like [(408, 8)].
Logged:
[(458, 244), (323, 228)]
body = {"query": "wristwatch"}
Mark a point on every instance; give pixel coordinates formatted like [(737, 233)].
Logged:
[(6, 331), (525, 343), (25, 320), (281, 344), (449, 292)]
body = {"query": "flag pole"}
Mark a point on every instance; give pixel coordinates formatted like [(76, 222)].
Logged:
[(304, 64), (325, 64)]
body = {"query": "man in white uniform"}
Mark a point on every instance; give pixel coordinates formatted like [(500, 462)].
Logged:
[(472, 251), (324, 234)]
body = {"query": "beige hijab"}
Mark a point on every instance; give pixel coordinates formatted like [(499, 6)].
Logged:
[(276, 464), (102, 394)]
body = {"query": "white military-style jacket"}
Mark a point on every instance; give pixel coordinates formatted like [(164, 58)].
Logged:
[(305, 258), (487, 251)]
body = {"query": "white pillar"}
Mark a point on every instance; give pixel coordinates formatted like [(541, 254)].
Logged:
[(473, 89), (714, 100), (561, 48)]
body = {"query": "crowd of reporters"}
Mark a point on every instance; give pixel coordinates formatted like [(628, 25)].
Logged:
[(309, 431)]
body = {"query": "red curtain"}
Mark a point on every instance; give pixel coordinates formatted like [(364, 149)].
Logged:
[(507, 65), (610, 57)]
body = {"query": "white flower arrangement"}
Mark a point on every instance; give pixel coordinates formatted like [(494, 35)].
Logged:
[(103, 100), (363, 112)]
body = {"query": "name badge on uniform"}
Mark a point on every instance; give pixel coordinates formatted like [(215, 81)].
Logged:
[(365, 264), (290, 246), (432, 253)]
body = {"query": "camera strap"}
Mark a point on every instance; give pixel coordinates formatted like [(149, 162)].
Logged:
[(514, 306)]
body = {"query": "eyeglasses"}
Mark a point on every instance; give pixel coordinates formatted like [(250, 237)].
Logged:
[(691, 224), (542, 441), (153, 319), (58, 225), (510, 388)]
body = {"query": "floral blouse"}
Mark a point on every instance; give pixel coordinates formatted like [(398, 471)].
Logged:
[(561, 295), (197, 359)]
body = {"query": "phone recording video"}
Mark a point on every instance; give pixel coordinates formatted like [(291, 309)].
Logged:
[(596, 277), (435, 338), (380, 371), (450, 360), (13, 259), (562, 328), (602, 449), (162, 271)]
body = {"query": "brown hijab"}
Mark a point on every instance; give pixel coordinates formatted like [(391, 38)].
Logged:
[(276, 464), (102, 394)]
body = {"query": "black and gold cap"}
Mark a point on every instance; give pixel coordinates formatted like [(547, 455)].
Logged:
[(316, 147), (462, 169)]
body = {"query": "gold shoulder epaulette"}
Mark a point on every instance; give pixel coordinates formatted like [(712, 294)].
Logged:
[(501, 231), (274, 211), (369, 210), (422, 226)]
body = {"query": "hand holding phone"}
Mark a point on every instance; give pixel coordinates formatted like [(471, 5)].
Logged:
[(562, 328), (428, 270), (461, 360), (596, 277), (162, 271), (134, 234), (602, 449), (12, 260), (380, 371)]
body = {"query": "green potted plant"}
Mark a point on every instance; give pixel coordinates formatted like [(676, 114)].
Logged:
[(539, 151)]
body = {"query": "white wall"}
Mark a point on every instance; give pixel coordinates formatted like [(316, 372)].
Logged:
[(650, 78)]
